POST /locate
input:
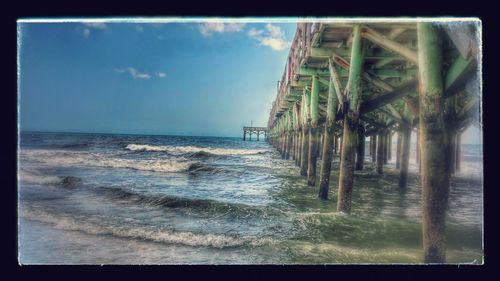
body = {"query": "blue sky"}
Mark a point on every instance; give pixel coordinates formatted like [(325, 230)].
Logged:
[(170, 78), (202, 79)]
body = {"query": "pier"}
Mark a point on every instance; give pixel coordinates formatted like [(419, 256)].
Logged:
[(254, 131), (345, 83)]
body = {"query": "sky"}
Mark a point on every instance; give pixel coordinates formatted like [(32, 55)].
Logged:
[(196, 78), (172, 78)]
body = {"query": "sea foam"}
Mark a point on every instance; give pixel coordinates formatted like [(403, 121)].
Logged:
[(192, 149), (97, 227), (36, 177), (64, 158)]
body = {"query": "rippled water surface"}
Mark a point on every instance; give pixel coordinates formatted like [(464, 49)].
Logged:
[(106, 199)]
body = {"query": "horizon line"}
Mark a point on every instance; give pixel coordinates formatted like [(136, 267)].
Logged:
[(104, 133)]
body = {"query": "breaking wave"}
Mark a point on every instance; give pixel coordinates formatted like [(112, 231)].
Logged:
[(96, 227), (179, 150), (202, 205), (64, 158), (36, 177)]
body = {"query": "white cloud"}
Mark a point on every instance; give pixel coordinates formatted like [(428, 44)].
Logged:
[(96, 25), (161, 74), (272, 37), (86, 32), (207, 29), (92, 25), (134, 72)]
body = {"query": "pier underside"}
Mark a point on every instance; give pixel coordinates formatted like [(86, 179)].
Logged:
[(347, 81)]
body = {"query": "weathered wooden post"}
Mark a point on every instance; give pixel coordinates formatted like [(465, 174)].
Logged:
[(329, 137), (405, 150), (296, 113), (340, 148), (434, 173), (398, 149), (386, 146), (370, 147), (360, 155), (313, 133), (244, 134), (374, 148), (299, 133), (294, 131), (304, 161), (282, 137), (291, 132), (299, 146), (380, 151), (288, 134), (281, 140), (351, 121), (336, 144), (320, 142), (389, 146), (459, 151), (417, 156), (285, 137)]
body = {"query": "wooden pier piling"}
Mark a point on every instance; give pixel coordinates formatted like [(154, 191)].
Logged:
[(313, 133), (398, 150), (434, 173), (458, 151), (389, 146), (380, 152), (351, 123), (386, 146), (329, 137), (360, 151), (374, 148), (405, 154), (304, 159)]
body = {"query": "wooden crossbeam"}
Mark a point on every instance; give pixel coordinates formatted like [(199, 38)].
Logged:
[(455, 79), (334, 77), (370, 54), (323, 81), (313, 71), (317, 36), (471, 111), (391, 114), (383, 62), (389, 44), (389, 96), (394, 112), (366, 75), (463, 39), (394, 33), (473, 102), (374, 123), (458, 73)]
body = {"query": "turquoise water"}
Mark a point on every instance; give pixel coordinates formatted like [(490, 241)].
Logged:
[(121, 199)]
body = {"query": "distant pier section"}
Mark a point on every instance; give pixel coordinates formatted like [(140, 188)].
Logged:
[(254, 130)]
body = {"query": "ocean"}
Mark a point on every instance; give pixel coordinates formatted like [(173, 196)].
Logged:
[(137, 199)]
